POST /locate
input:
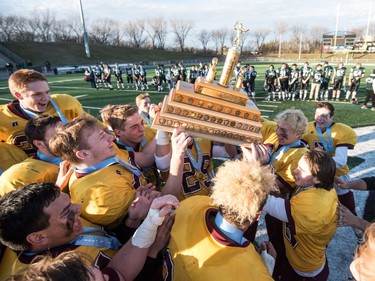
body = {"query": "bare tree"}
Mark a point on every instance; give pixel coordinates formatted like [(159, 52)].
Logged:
[(106, 31), (243, 42), (281, 28), (7, 28), (75, 25), (181, 30), (315, 36), (41, 23), (151, 35), (134, 30), (215, 38), (298, 32), (24, 32), (159, 29), (204, 37), (219, 37), (260, 35), (117, 35), (61, 31)]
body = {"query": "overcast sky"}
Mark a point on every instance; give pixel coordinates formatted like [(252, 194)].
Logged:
[(207, 14)]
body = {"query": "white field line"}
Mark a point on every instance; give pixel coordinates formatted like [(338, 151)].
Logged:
[(80, 96), (91, 107)]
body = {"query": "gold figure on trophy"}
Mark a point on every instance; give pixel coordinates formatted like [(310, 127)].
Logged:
[(232, 56), (212, 71)]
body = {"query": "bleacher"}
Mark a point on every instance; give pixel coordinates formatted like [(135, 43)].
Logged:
[(363, 47)]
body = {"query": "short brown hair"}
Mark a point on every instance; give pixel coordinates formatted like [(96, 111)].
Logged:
[(141, 97), (36, 127), (68, 139), (66, 266), (322, 166), (242, 194), (327, 105), (19, 79), (115, 115)]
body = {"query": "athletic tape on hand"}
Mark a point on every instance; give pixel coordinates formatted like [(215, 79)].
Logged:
[(145, 235)]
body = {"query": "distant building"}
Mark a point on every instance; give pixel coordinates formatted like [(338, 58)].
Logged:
[(345, 40)]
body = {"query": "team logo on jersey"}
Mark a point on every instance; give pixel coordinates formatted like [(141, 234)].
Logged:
[(101, 260), (118, 172), (15, 124)]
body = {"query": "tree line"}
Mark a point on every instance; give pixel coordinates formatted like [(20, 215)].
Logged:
[(158, 33)]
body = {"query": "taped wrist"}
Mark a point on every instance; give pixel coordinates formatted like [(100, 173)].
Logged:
[(161, 138), (268, 260), (145, 235)]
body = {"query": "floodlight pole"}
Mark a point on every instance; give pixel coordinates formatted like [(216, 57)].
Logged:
[(300, 45), (368, 22), (85, 36), (337, 25)]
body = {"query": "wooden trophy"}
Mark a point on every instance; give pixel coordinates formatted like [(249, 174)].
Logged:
[(213, 110)]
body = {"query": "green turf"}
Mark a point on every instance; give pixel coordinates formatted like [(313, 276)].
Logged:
[(92, 99)]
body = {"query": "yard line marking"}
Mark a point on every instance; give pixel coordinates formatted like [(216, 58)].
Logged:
[(266, 105), (80, 96), (65, 87), (66, 80), (6, 99), (92, 107)]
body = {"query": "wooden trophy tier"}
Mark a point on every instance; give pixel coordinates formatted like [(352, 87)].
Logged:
[(207, 110)]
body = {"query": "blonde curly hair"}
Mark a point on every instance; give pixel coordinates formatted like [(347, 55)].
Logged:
[(241, 188), (295, 119)]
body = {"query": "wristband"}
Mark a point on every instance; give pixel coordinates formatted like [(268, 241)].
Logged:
[(163, 162)]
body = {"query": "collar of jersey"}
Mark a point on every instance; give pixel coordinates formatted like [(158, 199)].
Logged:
[(229, 230)]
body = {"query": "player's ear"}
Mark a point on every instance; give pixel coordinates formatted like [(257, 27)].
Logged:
[(37, 238), (118, 132), (39, 144), (82, 154), (18, 95)]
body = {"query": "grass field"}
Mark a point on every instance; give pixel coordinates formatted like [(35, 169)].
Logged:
[(92, 99)]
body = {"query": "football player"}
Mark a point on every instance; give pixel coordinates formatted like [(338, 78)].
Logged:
[(309, 218), (118, 74), (305, 81), (293, 82), (283, 74), (338, 81), (336, 139), (103, 184), (44, 166), (32, 97), (317, 75), (210, 230), (132, 136), (107, 75), (327, 77), (253, 75), (39, 220), (270, 82), (356, 73)]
